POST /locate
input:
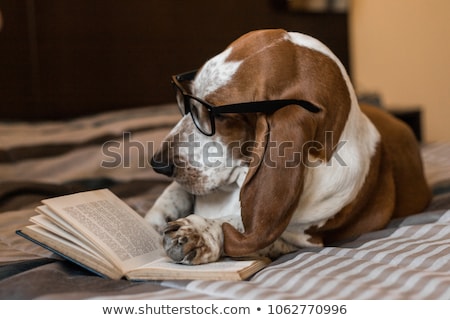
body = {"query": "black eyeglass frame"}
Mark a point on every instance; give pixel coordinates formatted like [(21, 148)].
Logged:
[(265, 106)]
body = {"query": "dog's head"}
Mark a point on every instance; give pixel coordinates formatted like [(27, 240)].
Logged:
[(301, 95)]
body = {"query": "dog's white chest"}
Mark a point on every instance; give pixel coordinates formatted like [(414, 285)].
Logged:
[(218, 204), (223, 202)]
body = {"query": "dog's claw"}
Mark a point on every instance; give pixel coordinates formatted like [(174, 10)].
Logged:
[(184, 243), (175, 249)]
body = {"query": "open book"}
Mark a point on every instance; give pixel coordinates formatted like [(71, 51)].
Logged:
[(101, 233)]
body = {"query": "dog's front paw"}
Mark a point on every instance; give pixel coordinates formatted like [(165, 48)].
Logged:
[(193, 240)]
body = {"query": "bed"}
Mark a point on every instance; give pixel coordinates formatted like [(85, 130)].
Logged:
[(409, 259), (88, 66)]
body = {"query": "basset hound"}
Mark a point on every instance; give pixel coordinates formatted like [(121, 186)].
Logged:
[(274, 153)]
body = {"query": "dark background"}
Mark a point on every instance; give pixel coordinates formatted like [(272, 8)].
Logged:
[(66, 58)]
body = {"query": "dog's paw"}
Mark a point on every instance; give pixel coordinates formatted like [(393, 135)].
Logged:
[(193, 240)]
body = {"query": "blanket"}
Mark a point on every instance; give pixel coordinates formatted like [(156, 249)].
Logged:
[(409, 259)]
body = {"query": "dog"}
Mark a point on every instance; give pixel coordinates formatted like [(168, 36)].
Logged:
[(274, 153)]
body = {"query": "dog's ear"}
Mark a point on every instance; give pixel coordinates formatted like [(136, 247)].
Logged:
[(274, 182)]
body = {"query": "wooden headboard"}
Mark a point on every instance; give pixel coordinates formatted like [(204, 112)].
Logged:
[(64, 58)]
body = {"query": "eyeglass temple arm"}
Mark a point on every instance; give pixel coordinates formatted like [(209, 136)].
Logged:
[(264, 106)]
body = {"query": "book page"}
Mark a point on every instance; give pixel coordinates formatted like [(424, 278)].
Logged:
[(45, 223), (224, 269), (59, 223), (121, 234), (72, 251)]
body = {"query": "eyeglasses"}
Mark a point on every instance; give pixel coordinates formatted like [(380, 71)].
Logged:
[(203, 113)]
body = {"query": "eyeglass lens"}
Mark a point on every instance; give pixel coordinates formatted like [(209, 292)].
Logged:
[(201, 116), (199, 112)]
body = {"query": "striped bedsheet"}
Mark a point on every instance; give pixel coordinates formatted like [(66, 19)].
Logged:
[(410, 259)]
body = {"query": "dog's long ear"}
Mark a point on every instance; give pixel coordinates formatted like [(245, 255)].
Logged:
[(274, 182)]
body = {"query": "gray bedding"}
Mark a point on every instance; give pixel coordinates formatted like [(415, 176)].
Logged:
[(410, 259)]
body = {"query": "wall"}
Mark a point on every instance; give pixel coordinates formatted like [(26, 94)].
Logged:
[(68, 58), (401, 49)]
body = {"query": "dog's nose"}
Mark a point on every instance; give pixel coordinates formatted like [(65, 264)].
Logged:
[(162, 167)]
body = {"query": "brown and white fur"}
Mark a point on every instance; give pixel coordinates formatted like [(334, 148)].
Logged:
[(357, 167)]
